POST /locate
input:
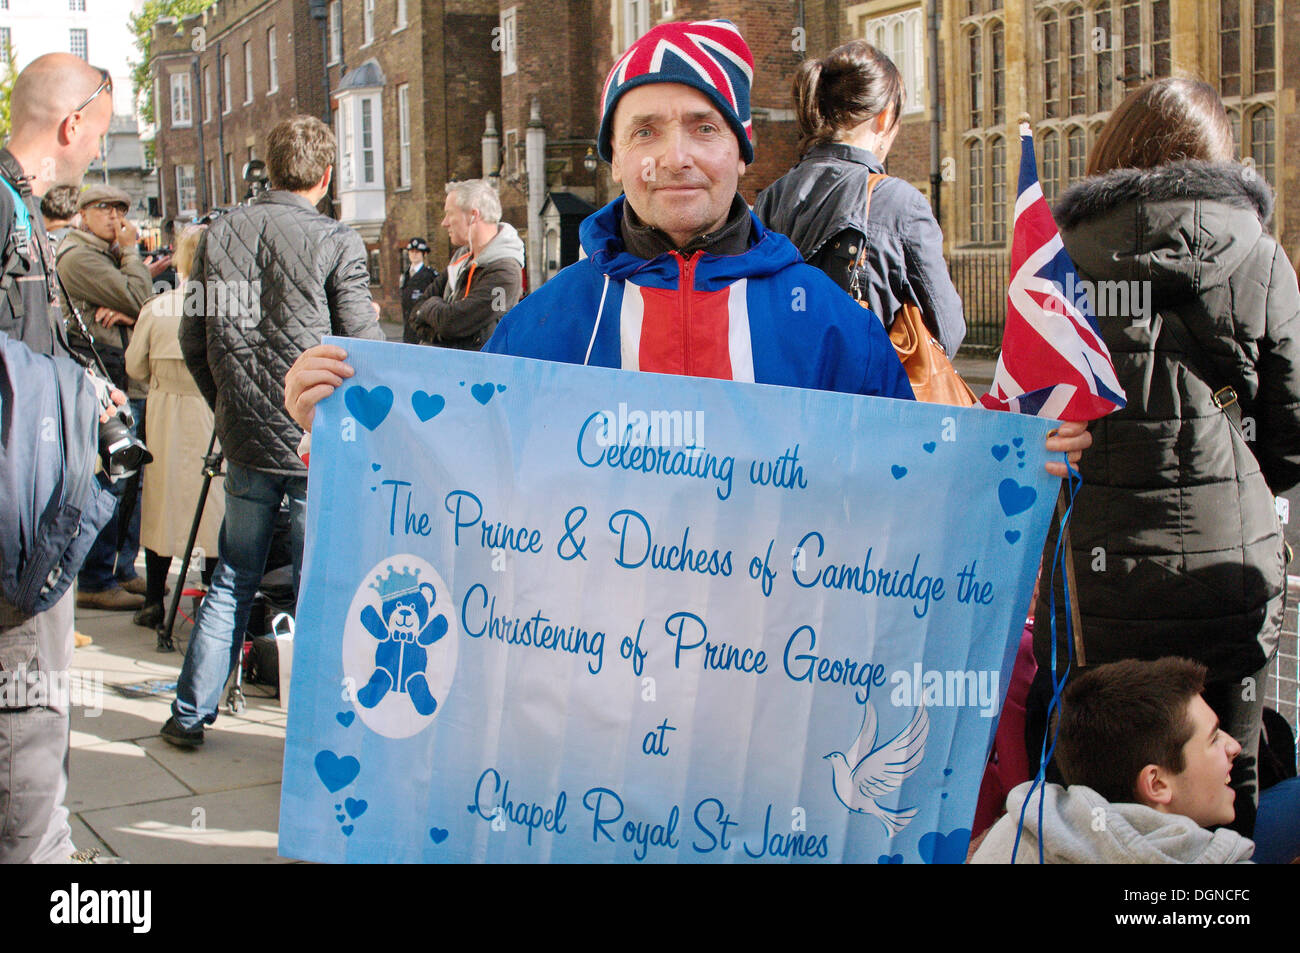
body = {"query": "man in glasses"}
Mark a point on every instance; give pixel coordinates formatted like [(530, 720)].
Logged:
[(60, 109), (106, 283)]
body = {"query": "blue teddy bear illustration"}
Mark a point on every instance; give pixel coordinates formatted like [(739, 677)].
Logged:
[(406, 628)]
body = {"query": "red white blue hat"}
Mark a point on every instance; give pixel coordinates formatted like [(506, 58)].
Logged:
[(709, 55)]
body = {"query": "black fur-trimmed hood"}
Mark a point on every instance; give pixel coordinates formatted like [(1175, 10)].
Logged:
[(1230, 183)]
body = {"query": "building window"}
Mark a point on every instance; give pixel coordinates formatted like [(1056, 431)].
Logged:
[(636, 20), (182, 116), (1076, 153), (207, 94), (1050, 178), (1160, 62), (273, 73), (1105, 61), (367, 142), (974, 63), (1076, 71), (998, 191), (5, 41), (404, 136), (346, 141), (975, 160), (212, 183), (1261, 142), (76, 6), (368, 23), (233, 195), (1130, 17), (186, 200), (998, 73), (1051, 65), (225, 84), (78, 44), (1263, 46), (401, 16), (901, 37), (509, 21), (336, 32), (666, 9), (248, 73), (373, 265)]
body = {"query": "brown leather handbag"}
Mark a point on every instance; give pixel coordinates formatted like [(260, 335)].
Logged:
[(932, 376)]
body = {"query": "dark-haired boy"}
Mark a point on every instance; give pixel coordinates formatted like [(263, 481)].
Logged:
[(1148, 772)]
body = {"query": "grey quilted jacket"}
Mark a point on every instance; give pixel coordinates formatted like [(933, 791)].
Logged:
[(269, 280), (1177, 545)]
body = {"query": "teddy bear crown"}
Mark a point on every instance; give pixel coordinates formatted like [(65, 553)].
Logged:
[(396, 584)]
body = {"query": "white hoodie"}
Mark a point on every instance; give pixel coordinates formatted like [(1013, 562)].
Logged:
[(1082, 827)]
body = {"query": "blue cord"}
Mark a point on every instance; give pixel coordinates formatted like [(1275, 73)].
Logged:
[(1074, 481)]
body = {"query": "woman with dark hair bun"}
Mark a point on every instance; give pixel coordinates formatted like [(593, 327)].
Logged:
[(849, 105), (1177, 545)]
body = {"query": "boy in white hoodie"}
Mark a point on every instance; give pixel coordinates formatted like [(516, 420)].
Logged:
[(1148, 772)]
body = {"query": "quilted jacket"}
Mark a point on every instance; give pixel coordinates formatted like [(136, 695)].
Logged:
[(270, 279), (1177, 545)]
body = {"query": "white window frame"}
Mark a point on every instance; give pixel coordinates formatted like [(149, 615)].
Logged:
[(225, 84), (207, 94), (273, 72), (212, 184), (910, 60), (233, 195), (509, 41), (248, 72), (636, 20), (79, 32), (336, 32), (76, 6), (182, 104), (181, 207), (367, 23), (347, 144), (401, 16), (366, 139), (666, 9), (404, 136)]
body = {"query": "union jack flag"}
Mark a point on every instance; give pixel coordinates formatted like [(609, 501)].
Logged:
[(1054, 362)]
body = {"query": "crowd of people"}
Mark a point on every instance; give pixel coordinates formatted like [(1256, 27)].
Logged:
[(1151, 732)]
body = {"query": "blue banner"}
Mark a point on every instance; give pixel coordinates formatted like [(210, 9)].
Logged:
[(558, 613)]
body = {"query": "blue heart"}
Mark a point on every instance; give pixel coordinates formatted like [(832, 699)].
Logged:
[(898, 472), (1014, 497), (1020, 454), (1012, 535), (1018, 441), (336, 773), (347, 830), (345, 717), (483, 392), (438, 834), (369, 407), (376, 467), (501, 388), (341, 817), (890, 859), (928, 447), (1000, 451), (947, 771), (427, 406), (355, 807), (936, 848)]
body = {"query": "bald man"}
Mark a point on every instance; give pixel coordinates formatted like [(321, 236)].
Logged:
[(60, 109)]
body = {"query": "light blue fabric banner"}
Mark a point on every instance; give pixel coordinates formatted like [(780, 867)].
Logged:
[(556, 613)]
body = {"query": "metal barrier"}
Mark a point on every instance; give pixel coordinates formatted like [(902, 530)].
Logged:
[(981, 278)]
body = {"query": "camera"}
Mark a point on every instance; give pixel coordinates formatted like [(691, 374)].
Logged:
[(121, 453)]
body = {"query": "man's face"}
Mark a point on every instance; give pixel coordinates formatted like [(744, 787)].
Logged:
[(82, 133), (1200, 790), (677, 159), (103, 219), (457, 222)]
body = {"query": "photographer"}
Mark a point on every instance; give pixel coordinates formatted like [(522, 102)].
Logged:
[(60, 108)]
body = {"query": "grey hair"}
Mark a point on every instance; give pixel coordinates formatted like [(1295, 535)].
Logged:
[(477, 195)]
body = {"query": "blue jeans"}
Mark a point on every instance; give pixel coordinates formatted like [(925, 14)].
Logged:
[(106, 565), (252, 502)]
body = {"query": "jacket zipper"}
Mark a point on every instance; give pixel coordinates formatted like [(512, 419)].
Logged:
[(685, 284)]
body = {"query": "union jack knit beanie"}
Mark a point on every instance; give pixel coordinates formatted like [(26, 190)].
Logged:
[(708, 55)]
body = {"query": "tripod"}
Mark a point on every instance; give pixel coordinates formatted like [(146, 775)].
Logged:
[(211, 468)]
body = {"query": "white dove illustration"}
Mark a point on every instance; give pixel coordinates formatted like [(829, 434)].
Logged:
[(872, 771)]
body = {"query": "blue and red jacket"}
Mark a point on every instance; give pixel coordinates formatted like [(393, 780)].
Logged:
[(762, 316)]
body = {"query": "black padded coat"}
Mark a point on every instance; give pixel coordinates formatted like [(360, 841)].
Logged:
[(269, 280), (1177, 545)]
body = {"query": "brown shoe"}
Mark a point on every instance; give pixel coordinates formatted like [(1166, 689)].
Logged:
[(116, 598), (136, 586), (81, 641)]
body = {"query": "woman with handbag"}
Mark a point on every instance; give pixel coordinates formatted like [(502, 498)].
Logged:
[(873, 235), (1176, 541)]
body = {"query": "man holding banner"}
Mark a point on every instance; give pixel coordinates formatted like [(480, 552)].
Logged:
[(616, 697)]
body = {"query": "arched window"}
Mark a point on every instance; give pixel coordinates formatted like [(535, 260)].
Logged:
[(975, 62), (1262, 140), (975, 162), (998, 190), (1234, 117), (1076, 154), (997, 79), (1051, 33), (1077, 67), (1051, 175), (1263, 46)]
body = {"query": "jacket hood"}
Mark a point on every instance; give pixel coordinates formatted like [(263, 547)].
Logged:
[(1131, 834), (769, 252), (1185, 224), (507, 244)]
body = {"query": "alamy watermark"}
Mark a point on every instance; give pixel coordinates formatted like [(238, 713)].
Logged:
[(58, 690), (653, 428), (1127, 299)]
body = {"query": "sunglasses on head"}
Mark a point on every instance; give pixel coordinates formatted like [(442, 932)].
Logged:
[(106, 84)]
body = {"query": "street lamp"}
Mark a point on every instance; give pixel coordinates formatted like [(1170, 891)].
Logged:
[(589, 161)]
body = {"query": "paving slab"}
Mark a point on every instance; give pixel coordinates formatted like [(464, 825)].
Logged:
[(234, 754), (115, 773)]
